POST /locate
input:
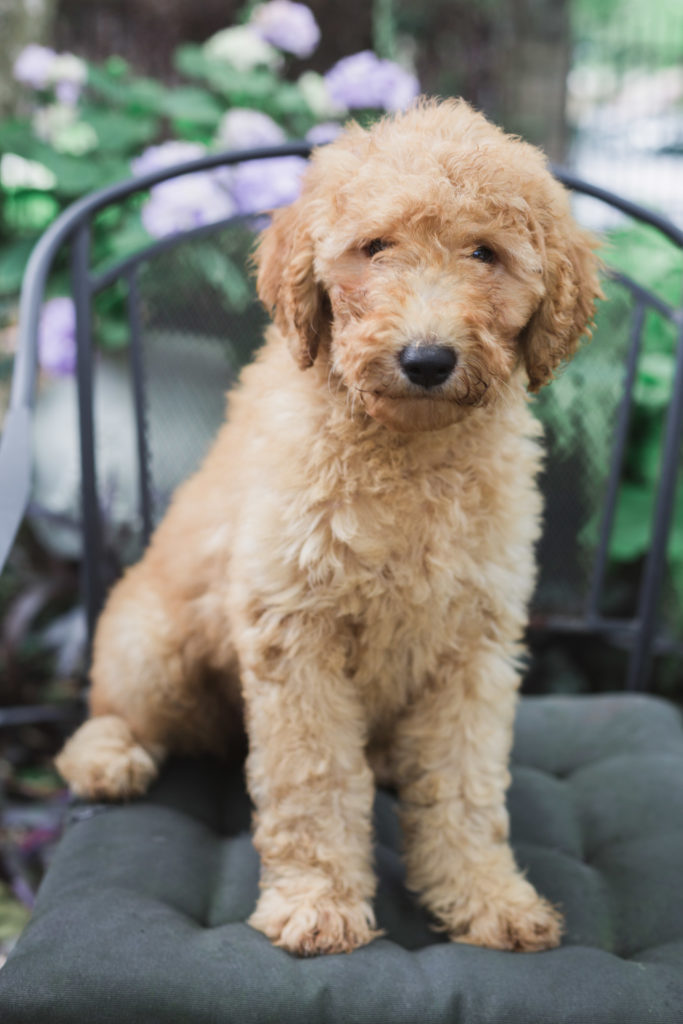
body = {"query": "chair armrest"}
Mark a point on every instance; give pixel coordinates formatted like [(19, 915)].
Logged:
[(15, 475)]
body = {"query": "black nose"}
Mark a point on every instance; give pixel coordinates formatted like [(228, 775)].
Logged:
[(427, 365)]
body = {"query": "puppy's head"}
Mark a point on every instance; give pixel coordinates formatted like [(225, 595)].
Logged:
[(428, 261)]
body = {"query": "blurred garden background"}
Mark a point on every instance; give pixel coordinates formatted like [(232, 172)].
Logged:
[(92, 91)]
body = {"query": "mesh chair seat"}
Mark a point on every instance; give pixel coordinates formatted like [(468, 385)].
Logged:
[(142, 915)]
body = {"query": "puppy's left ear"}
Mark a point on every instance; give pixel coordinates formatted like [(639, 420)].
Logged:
[(566, 312), (286, 283)]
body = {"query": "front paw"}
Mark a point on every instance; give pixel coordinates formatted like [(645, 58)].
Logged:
[(517, 919), (102, 761), (310, 924)]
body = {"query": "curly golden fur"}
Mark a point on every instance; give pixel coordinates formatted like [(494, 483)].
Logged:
[(350, 568)]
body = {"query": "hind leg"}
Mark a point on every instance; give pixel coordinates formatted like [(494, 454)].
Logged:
[(148, 696)]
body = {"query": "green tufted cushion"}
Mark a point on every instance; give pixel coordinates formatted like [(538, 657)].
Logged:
[(140, 918)]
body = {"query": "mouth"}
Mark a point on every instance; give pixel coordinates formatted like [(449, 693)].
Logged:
[(466, 389), (414, 412)]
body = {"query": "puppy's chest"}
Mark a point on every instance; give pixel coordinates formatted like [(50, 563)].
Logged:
[(398, 555), (410, 565), (403, 563), (399, 529)]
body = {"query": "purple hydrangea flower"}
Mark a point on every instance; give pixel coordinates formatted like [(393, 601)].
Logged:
[(57, 337), (327, 131), (260, 185), (165, 155), (241, 128), (289, 26), (33, 66), (40, 68), (186, 202), (364, 80)]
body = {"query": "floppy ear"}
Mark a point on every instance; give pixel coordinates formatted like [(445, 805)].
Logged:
[(287, 287), (566, 312)]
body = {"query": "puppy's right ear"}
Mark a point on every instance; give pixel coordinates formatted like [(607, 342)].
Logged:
[(287, 287)]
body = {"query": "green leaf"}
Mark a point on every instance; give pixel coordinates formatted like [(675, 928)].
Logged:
[(193, 105), (655, 379), (641, 252), (118, 132), (102, 84), (112, 333), (631, 534), (290, 102), (146, 94), (29, 211), (119, 241), (219, 270), (129, 238), (189, 59), (117, 67), (645, 448), (74, 175), (676, 538), (16, 136), (139, 95), (13, 259), (257, 88), (6, 367)]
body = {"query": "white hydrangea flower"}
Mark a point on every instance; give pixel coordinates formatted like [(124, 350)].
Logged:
[(77, 139), (66, 67), (51, 119), (58, 125), (16, 172), (242, 48)]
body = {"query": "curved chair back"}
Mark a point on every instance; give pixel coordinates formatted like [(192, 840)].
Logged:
[(189, 319)]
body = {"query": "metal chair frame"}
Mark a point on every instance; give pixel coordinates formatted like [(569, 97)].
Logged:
[(74, 228)]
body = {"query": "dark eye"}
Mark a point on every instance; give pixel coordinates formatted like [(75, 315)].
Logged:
[(375, 246), (484, 254)]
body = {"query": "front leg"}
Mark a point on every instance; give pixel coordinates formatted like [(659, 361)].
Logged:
[(452, 753), (313, 792)]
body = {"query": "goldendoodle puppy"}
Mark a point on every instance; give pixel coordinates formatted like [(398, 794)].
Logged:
[(349, 570)]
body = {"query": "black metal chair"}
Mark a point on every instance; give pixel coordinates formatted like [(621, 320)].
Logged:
[(141, 915)]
